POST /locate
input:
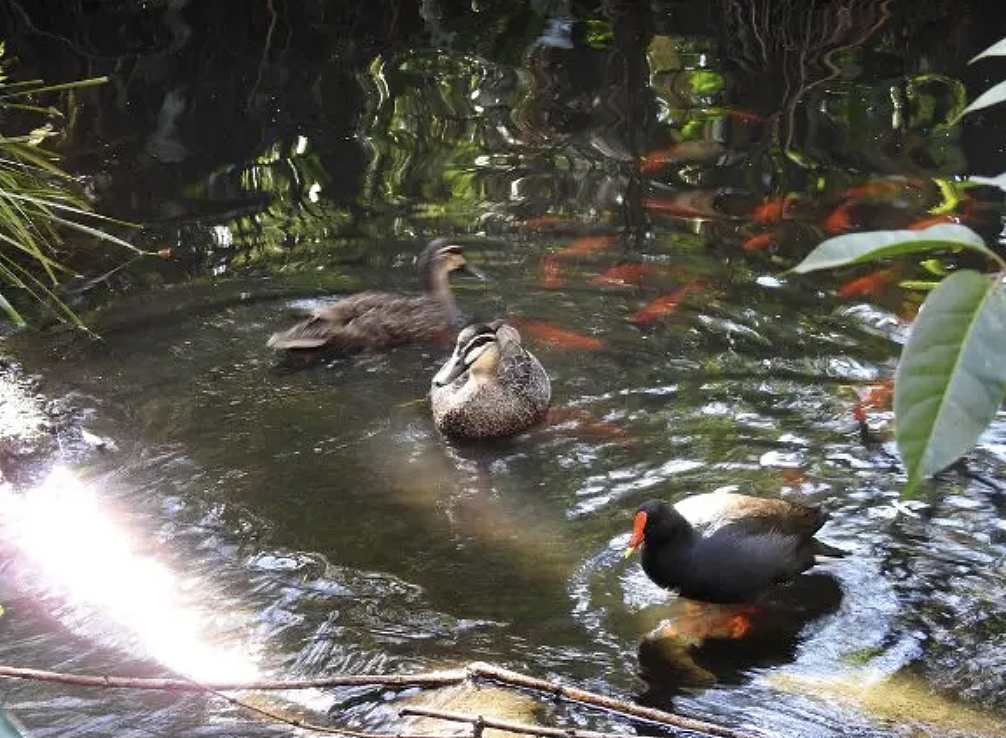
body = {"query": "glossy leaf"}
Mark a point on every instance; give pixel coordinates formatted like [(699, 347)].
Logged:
[(996, 49), (858, 248), (990, 97), (951, 379)]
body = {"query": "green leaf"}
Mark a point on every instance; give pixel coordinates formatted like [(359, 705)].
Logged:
[(857, 248), (990, 97), (951, 379), (996, 49)]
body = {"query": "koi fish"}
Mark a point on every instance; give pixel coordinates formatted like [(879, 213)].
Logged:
[(672, 208), (543, 221), (550, 273), (589, 422), (771, 211), (840, 219), (164, 253), (666, 303), (556, 336), (921, 225), (868, 285), (874, 190), (626, 274), (684, 151), (759, 242), (586, 245), (739, 115), (876, 397)]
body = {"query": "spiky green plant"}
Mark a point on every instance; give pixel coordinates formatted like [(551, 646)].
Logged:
[(38, 201)]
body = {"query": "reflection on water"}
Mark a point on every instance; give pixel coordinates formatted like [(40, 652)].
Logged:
[(91, 560), (635, 180)]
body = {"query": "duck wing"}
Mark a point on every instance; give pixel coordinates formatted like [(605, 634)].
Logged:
[(747, 515)]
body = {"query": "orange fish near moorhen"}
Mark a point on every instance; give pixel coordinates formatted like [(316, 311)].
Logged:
[(727, 548)]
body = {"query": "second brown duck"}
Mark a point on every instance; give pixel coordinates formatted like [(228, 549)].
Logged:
[(727, 548), (375, 320)]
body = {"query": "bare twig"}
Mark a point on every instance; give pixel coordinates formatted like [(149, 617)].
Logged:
[(508, 725), (447, 677)]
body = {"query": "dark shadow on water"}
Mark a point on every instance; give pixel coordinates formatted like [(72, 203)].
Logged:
[(703, 645)]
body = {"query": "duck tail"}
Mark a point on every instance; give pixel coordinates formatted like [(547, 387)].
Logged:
[(823, 549), (304, 335)]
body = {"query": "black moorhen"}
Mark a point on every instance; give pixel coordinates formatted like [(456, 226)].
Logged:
[(727, 548)]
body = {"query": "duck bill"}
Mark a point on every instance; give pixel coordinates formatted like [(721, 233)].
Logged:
[(472, 272), (451, 370), (637, 533)]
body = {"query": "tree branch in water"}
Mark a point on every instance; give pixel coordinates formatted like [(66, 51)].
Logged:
[(473, 671)]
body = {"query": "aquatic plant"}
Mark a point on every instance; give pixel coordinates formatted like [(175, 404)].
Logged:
[(38, 200)]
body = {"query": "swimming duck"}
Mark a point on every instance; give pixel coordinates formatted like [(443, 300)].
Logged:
[(491, 386), (727, 548), (379, 319)]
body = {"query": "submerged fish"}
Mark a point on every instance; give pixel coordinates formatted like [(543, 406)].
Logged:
[(868, 285), (759, 242), (921, 225), (666, 303), (684, 151), (625, 274), (550, 272), (543, 221), (876, 397), (586, 245), (840, 219), (553, 334), (771, 211)]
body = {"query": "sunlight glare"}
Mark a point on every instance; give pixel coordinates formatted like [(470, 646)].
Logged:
[(83, 552)]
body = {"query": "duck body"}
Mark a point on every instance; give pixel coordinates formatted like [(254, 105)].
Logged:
[(727, 548), (377, 320), (490, 387)]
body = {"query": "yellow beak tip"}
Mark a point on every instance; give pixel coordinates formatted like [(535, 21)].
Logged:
[(628, 552)]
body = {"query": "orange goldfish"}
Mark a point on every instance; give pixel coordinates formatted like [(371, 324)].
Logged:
[(684, 151), (625, 274), (759, 242), (771, 211), (840, 219), (589, 422), (876, 397), (586, 245), (555, 335), (550, 272), (740, 115), (671, 207), (868, 285), (921, 225), (874, 189), (543, 221), (666, 303)]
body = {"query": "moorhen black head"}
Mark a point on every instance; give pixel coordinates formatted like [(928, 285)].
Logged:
[(727, 548)]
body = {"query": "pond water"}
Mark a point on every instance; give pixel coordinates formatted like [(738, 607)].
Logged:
[(256, 518)]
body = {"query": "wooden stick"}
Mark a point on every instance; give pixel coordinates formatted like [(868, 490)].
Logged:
[(600, 701), (446, 677), (508, 725), (443, 678)]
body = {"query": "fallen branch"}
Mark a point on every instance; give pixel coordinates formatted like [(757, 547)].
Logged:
[(508, 725), (447, 677)]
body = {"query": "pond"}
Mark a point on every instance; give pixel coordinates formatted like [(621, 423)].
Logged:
[(250, 517)]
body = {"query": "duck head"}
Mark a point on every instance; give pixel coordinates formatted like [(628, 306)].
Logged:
[(477, 351), (656, 522), (440, 258)]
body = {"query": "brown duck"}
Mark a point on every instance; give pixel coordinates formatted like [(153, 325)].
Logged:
[(727, 548), (375, 320), (491, 386)]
